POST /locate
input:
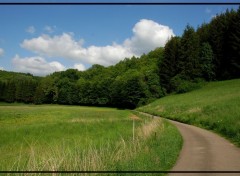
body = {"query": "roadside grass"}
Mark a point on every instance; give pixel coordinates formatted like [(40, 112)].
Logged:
[(57, 137), (216, 107)]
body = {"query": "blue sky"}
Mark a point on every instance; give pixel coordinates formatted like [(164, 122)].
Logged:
[(44, 39)]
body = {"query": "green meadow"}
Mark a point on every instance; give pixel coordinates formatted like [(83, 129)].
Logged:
[(216, 106), (61, 138)]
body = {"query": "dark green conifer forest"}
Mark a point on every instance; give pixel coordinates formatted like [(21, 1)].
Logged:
[(210, 52)]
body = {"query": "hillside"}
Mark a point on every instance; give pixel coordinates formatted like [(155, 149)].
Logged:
[(7, 75), (216, 107)]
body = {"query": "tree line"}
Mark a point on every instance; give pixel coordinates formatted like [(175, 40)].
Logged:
[(211, 52)]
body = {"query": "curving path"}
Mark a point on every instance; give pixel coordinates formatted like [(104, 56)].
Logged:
[(205, 151)]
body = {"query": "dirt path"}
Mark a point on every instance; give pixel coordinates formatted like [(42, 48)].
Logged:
[(205, 151)]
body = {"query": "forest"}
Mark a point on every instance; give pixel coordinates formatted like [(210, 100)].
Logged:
[(209, 53)]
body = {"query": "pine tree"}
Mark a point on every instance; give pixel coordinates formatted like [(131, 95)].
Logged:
[(189, 63), (234, 45), (206, 59), (169, 66)]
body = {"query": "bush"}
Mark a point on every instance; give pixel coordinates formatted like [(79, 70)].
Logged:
[(181, 85)]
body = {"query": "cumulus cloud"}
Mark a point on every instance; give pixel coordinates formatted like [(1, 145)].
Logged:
[(1, 68), (56, 46), (1, 52), (31, 29), (36, 65), (79, 67), (147, 35)]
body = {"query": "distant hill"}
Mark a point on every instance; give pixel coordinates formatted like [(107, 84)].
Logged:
[(18, 87), (7, 75)]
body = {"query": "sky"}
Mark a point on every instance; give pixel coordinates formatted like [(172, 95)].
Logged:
[(43, 39)]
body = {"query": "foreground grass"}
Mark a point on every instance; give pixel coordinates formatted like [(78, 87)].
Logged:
[(53, 137), (215, 107)]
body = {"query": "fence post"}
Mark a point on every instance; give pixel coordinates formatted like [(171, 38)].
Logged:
[(133, 129)]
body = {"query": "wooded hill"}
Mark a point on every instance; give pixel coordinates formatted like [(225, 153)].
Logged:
[(211, 52)]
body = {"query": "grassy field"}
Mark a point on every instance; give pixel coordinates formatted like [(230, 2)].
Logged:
[(54, 137), (216, 106)]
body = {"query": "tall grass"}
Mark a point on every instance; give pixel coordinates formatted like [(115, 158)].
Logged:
[(215, 106), (84, 139)]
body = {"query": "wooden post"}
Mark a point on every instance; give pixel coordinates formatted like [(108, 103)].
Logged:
[(133, 129)]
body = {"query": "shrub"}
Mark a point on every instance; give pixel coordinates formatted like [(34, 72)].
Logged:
[(182, 85)]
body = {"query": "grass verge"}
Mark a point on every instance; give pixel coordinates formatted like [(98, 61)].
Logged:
[(216, 107)]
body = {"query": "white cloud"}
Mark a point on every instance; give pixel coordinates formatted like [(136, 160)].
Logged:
[(31, 29), (1, 52), (50, 29), (1, 68), (79, 67), (36, 65), (55, 46), (147, 35)]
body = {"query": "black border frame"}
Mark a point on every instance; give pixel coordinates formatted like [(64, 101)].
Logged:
[(111, 4), (121, 172), (119, 3)]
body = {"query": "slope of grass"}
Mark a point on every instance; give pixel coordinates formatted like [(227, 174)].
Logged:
[(54, 137), (216, 107)]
